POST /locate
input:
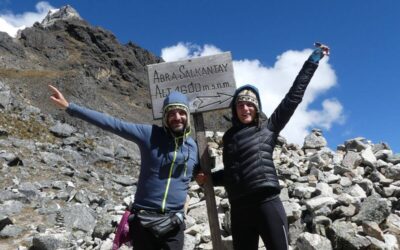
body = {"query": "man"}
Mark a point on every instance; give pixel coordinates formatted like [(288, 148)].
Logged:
[(168, 158)]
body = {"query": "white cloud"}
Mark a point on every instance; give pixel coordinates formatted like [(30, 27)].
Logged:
[(274, 82), (11, 23), (183, 51)]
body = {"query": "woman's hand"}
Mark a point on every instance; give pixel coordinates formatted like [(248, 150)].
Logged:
[(321, 51)]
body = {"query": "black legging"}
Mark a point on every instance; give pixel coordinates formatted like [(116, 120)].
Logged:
[(143, 239), (266, 219)]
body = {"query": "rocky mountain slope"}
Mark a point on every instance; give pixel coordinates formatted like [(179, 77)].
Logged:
[(87, 63), (64, 184)]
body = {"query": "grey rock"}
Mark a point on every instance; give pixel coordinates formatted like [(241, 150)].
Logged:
[(5, 96), (81, 196), (368, 157), (7, 195), (11, 207), (319, 202), (30, 190), (103, 228), (351, 160), (357, 191), (344, 211), (7, 156), (321, 160), (341, 170), (122, 152), (315, 140), (293, 211), (10, 231), (64, 13), (51, 241), (320, 225), (79, 217), (28, 111), (374, 208), (393, 224), (295, 230), (52, 159), (308, 241), (376, 244), (357, 144), (72, 156), (198, 213), (124, 180), (189, 242), (380, 146), (59, 185), (393, 172), (345, 181), (366, 185), (372, 229), (62, 129), (72, 140), (104, 151), (394, 159), (391, 242), (383, 154), (343, 235), (303, 191)]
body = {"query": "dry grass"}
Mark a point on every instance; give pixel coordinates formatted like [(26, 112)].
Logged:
[(30, 73), (30, 129)]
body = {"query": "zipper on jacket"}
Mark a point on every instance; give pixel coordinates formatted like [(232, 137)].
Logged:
[(184, 173), (169, 177)]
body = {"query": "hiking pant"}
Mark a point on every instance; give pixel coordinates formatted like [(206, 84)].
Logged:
[(266, 219), (143, 239)]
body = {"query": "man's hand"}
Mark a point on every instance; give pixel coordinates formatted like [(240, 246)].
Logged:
[(201, 178), (58, 98)]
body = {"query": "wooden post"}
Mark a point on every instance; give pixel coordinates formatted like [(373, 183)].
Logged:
[(205, 164)]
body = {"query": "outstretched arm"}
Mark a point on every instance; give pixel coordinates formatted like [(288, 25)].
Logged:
[(282, 114), (134, 132), (58, 98)]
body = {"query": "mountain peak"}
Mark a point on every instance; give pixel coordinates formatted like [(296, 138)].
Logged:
[(64, 13)]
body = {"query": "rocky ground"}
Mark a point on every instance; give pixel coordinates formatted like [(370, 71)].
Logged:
[(62, 188)]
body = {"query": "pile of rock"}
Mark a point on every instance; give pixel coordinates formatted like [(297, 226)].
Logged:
[(346, 199), (62, 187)]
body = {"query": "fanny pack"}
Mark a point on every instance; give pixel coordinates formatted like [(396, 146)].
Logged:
[(159, 224)]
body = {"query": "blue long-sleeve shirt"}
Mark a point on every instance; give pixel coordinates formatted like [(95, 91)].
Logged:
[(167, 162)]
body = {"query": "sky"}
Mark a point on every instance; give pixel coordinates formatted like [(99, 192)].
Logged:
[(354, 92)]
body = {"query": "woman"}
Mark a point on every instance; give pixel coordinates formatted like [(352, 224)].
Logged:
[(249, 174)]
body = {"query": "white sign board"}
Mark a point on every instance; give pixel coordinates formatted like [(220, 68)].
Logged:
[(207, 81)]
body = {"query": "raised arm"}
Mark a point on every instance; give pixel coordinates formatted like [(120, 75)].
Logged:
[(282, 114), (135, 132)]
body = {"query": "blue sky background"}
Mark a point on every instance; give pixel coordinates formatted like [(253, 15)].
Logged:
[(364, 36)]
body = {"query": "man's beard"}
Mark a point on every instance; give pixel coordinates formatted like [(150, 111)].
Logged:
[(178, 131)]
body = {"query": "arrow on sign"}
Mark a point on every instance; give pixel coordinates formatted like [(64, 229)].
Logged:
[(205, 101)]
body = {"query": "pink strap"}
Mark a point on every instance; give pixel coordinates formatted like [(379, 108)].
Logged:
[(122, 235)]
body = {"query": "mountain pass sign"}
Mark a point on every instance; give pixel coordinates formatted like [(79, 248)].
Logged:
[(207, 81)]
